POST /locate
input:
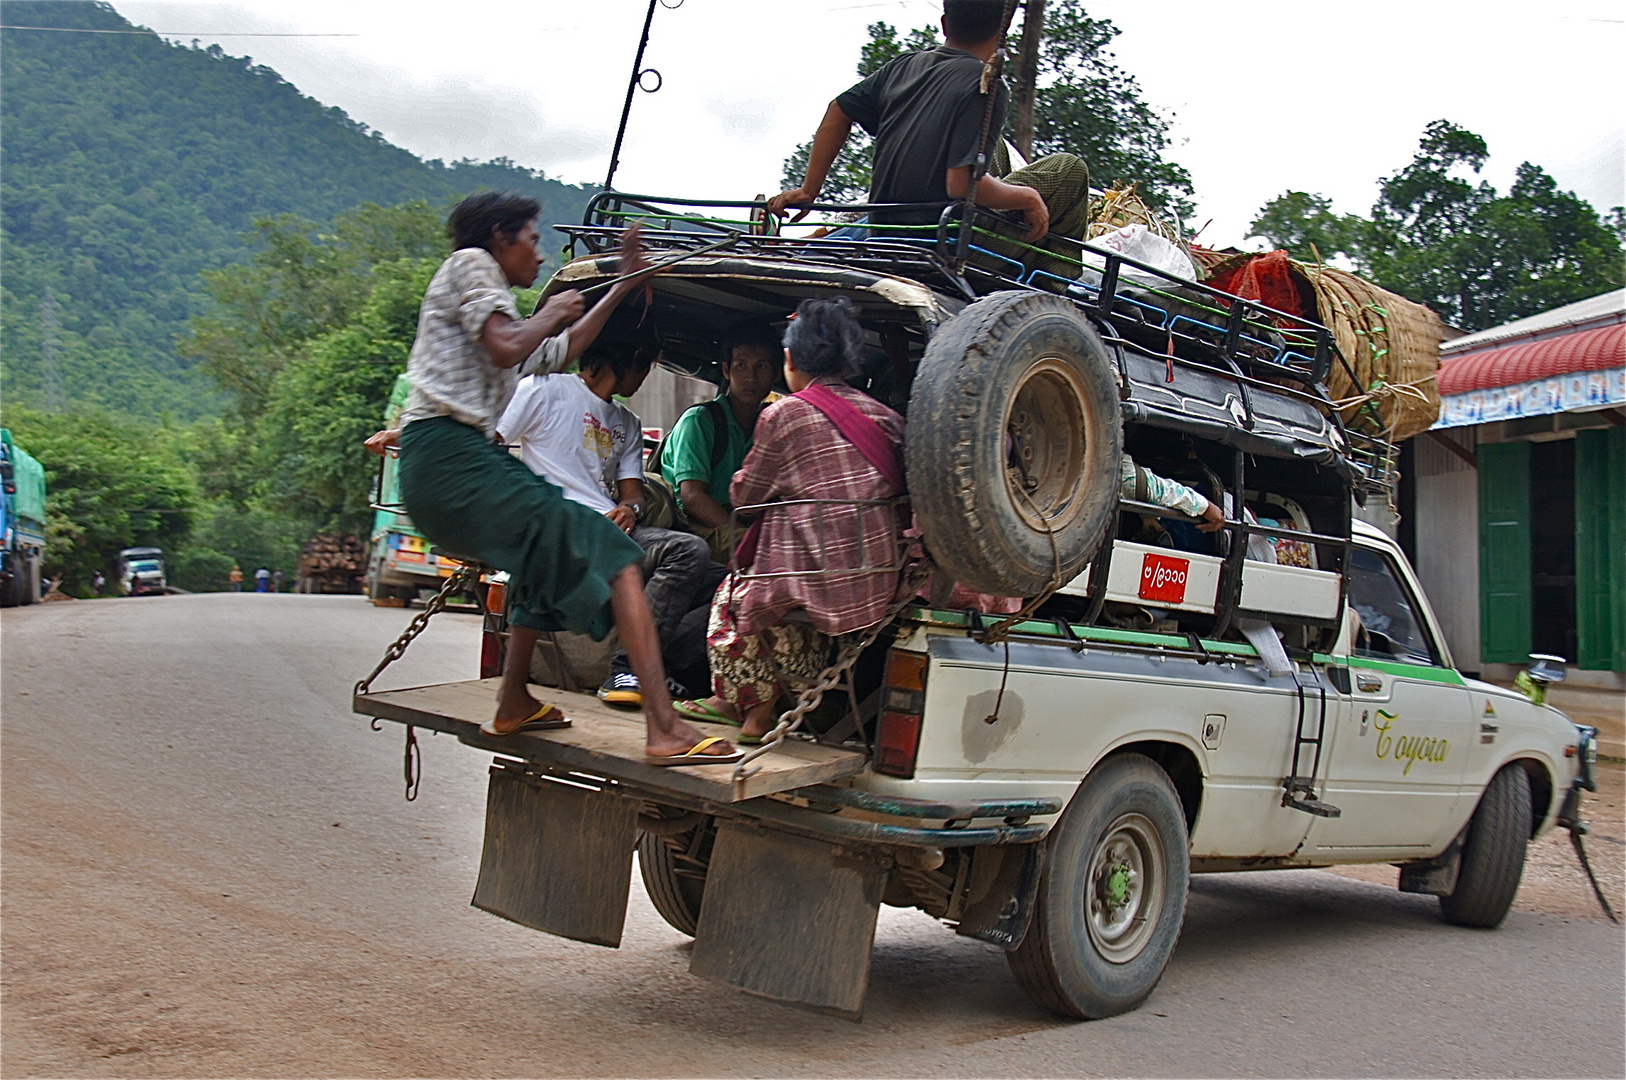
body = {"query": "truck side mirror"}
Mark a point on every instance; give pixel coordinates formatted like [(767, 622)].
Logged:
[(1544, 670), (1547, 668)]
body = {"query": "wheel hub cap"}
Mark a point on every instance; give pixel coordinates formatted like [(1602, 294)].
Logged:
[(1126, 888)]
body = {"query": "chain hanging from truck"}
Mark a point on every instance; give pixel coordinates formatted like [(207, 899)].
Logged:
[(411, 754)]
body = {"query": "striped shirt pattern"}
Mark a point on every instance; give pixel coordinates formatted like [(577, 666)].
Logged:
[(798, 453), (451, 372)]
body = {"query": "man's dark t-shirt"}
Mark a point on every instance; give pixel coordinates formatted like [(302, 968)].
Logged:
[(925, 111)]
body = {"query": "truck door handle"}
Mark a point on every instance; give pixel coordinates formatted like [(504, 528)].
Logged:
[(1368, 683)]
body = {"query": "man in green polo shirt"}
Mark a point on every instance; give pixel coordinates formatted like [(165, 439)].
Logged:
[(699, 460)]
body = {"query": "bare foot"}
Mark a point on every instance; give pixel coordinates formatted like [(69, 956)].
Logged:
[(722, 705), (759, 721)]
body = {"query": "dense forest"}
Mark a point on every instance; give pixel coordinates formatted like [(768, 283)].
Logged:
[(132, 165), (210, 282)]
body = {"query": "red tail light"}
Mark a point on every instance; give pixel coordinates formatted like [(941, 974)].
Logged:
[(897, 736), (490, 655), (897, 744)]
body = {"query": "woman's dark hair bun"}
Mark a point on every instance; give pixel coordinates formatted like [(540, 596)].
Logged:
[(824, 338)]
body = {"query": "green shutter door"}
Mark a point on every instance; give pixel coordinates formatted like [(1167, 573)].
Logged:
[(1504, 552), (1600, 549)]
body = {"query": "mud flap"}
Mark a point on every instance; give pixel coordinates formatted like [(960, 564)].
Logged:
[(789, 919), (557, 857), (1001, 912)]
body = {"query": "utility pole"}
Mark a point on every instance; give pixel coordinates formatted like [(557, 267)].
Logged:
[(1027, 75), (53, 373)]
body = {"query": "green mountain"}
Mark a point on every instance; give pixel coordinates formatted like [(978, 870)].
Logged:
[(130, 165)]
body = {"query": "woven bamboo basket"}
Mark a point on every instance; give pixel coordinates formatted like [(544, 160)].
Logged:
[(1386, 384), (1118, 207)]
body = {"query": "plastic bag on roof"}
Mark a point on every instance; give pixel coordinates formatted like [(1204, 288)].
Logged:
[(1143, 245)]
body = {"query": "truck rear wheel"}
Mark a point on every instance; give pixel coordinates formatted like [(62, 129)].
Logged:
[(1013, 445), (1493, 854), (1114, 894), (674, 873)]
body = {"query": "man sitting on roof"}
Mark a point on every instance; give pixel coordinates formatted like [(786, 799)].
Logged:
[(926, 111)]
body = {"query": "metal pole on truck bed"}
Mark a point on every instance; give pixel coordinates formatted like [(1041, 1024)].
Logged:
[(634, 81)]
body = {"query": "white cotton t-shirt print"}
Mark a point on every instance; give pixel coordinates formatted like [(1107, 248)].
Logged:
[(573, 438)]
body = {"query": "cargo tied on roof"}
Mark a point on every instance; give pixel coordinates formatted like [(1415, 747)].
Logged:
[(1386, 382)]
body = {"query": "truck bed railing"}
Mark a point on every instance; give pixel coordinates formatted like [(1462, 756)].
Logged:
[(1196, 319), (890, 559)]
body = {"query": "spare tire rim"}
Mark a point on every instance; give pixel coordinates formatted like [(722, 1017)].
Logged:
[(1045, 447), (1124, 891)]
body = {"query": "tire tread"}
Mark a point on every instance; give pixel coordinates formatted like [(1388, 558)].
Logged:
[(657, 866), (1493, 854), (963, 528)]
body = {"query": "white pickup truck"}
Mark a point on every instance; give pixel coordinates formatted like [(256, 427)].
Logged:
[(1279, 696)]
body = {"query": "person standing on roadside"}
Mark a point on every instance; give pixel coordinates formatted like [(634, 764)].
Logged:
[(277, 578), (235, 579), (570, 568), (262, 580)]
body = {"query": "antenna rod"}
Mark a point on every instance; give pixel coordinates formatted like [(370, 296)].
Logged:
[(626, 108)]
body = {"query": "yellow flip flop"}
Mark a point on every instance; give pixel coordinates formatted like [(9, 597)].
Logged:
[(546, 718), (696, 755)]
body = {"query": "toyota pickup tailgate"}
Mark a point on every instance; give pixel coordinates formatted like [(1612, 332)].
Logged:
[(605, 742)]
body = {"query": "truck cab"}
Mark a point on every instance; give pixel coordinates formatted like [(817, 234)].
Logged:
[(142, 572), (22, 523), (400, 562)]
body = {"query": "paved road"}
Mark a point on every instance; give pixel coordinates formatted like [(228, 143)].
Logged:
[(209, 870)]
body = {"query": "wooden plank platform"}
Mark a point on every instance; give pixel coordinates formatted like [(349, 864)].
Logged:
[(604, 741)]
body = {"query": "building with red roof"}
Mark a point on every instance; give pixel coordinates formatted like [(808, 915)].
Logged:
[(1517, 495)]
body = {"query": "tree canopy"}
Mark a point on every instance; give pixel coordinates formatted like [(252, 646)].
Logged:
[(1085, 104), (1478, 258)]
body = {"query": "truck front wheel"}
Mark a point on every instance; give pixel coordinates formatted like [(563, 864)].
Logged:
[(1493, 854), (1114, 894)]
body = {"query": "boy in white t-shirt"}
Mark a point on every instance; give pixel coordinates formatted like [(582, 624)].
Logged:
[(571, 432)]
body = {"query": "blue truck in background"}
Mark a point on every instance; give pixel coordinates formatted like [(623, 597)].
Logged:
[(22, 523)]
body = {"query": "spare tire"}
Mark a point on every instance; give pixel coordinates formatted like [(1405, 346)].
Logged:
[(1013, 443)]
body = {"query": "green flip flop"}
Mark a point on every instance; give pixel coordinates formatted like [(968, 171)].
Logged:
[(697, 709)]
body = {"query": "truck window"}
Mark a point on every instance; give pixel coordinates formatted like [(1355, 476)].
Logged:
[(1390, 626)]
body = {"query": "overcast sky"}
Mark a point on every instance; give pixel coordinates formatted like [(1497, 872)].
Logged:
[(1264, 97)]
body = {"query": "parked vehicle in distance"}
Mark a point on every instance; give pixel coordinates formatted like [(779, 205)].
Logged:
[(22, 523), (141, 572)]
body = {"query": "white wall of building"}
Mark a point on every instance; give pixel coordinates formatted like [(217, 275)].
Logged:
[(1448, 541), (664, 396)]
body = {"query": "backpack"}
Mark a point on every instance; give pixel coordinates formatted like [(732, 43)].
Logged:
[(719, 428), (662, 509)]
